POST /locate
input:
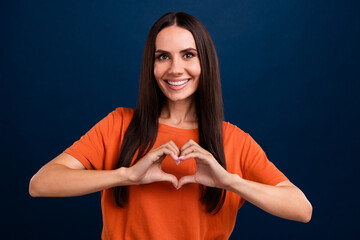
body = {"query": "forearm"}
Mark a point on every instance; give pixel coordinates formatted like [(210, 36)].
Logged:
[(286, 201), (57, 180)]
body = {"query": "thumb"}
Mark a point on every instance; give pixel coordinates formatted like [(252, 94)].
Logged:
[(186, 179), (170, 178)]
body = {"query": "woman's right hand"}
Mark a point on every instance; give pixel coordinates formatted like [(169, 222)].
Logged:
[(148, 169), (66, 176)]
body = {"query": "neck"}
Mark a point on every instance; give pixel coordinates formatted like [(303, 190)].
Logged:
[(179, 113)]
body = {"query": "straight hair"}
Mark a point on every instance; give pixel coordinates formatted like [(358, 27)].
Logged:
[(141, 134)]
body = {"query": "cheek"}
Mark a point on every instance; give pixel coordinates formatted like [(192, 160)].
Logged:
[(159, 70), (194, 69), (156, 71)]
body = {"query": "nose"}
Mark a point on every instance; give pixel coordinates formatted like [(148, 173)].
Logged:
[(176, 67)]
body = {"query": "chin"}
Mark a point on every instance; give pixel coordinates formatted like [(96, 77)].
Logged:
[(180, 98)]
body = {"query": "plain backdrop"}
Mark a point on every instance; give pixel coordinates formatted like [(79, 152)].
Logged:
[(290, 78)]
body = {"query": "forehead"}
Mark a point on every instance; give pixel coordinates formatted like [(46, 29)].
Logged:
[(174, 37)]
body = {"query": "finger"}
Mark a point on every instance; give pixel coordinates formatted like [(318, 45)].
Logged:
[(170, 178), (185, 180), (188, 144), (191, 146), (177, 160), (196, 151), (171, 145), (190, 149), (162, 152), (174, 147), (168, 145), (197, 156)]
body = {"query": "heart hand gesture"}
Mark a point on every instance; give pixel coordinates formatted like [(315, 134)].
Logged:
[(208, 171), (148, 169)]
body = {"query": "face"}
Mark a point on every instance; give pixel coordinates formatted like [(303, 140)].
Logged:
[(177, 66)]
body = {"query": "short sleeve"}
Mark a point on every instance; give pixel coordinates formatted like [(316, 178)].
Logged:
[(257, 167), (90, 149)]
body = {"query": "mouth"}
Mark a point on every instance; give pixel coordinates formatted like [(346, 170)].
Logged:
[(177, 84)]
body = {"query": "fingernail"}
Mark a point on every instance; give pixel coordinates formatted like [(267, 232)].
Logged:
[(181, 157)]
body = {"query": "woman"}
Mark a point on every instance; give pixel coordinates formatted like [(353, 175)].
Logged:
[(171, 168)]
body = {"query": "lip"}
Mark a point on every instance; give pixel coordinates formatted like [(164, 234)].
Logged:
[(179, 87)]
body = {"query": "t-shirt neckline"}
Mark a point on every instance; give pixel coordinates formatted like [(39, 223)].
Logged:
[(166, 127)]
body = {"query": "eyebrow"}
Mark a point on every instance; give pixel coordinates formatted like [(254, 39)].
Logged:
[(184, 50)]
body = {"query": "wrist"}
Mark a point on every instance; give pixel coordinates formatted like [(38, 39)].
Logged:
[(124, 177), (233, 180)]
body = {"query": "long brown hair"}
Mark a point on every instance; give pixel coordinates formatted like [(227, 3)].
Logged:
[(142, 131)]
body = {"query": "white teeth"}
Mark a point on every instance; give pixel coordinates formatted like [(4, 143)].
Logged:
[(177, 83)]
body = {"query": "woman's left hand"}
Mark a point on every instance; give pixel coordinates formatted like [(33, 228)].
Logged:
[(208, 171)]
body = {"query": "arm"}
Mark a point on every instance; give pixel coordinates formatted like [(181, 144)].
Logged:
[(283, 200), (65, 176)]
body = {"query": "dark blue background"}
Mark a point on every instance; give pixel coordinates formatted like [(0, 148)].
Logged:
[(290, 76)]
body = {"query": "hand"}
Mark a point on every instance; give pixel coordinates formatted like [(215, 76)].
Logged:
[(208, 171), (148, 169)]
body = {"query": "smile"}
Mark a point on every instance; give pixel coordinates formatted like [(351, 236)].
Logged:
[(177, 83)]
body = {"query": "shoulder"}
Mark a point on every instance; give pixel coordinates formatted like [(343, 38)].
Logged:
[(119, 117), (234, 135), (123, 112), (231, 129)]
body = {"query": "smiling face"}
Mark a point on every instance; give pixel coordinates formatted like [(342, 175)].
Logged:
[(177, 66)]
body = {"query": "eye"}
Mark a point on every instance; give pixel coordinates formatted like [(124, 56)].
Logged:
[(162, 57), (189, 55)]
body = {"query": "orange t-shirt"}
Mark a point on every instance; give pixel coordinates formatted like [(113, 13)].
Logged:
[(158, 210)]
